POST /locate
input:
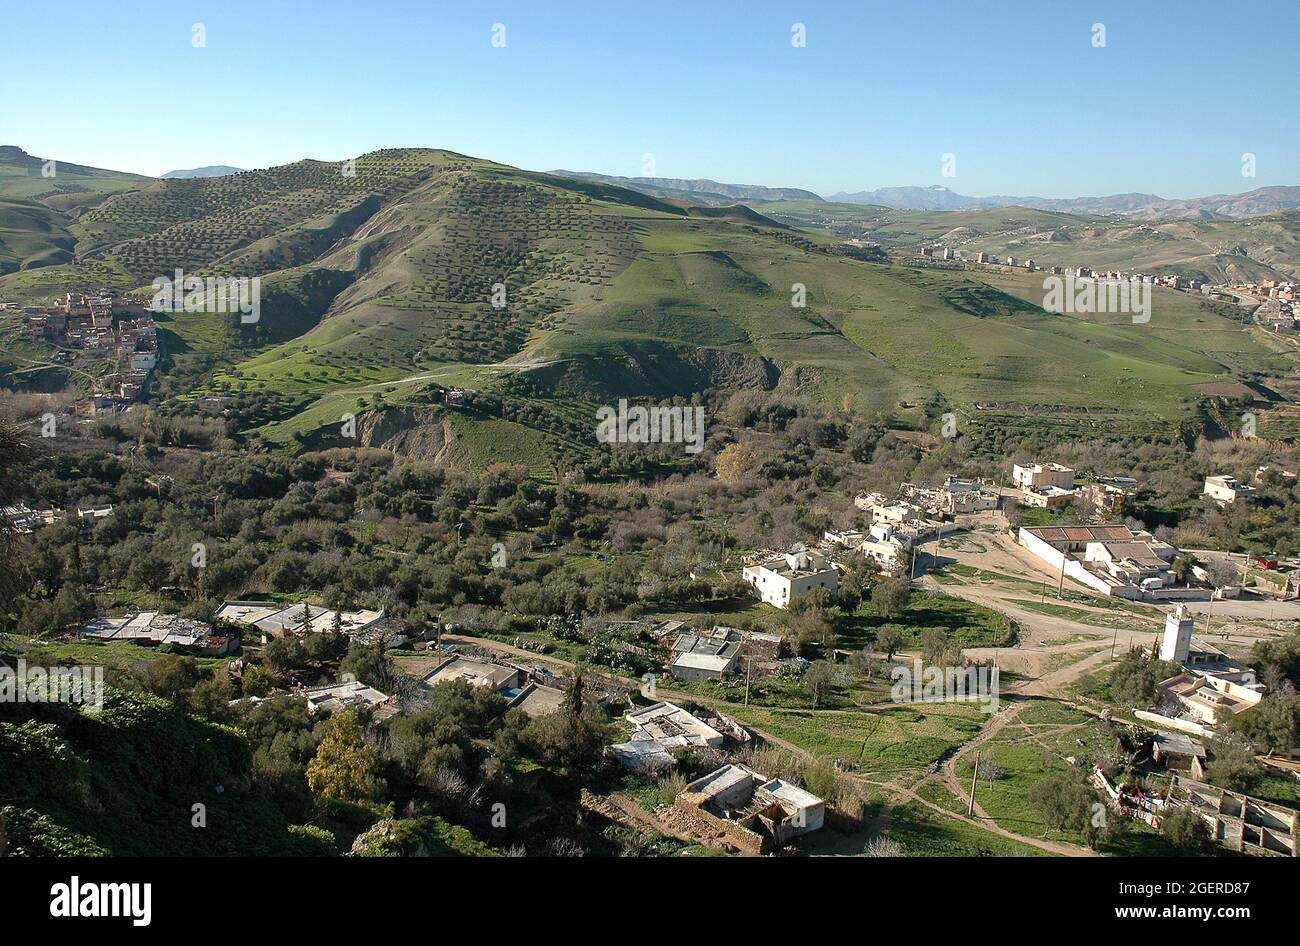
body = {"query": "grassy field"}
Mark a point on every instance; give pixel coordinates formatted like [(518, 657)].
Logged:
[(1036, 745), (884, 744), (967, 624)]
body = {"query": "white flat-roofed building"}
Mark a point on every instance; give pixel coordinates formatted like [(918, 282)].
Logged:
[(1038, 475), (477, 673), (850, 538), (154, 627), (786, 578), (771, 812), (658, 730), (274, 619), (1225, 489), (340, 696)]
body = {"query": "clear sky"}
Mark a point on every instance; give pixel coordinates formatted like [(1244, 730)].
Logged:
[(1014, 89)]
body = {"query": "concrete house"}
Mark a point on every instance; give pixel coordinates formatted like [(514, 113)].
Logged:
[(478, 673), (659, 729), (274, 619), (344, 695), (785, 578), (1225, 489), (751, 813), (705, 656), (1046, 497), (962, 497), (1039, 475)]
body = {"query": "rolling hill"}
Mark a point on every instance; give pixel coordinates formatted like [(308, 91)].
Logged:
[(1219, 250), (550, 294), (61, 185), (32, 235)]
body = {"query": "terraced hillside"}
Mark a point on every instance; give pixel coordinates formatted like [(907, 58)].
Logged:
[(553, 295)]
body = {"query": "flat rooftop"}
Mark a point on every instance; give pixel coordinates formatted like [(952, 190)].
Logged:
[(1084, 534), (477, 673)]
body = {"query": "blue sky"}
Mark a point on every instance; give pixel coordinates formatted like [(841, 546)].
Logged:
[(1014, 89)]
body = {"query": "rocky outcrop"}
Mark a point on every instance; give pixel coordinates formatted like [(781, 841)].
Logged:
[(417, 432)]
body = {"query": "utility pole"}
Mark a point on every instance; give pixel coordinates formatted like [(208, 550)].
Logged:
[(749, 664), (1113, 640), (974, 780)]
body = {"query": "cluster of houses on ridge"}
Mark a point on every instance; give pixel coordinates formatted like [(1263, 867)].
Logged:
[(265, 619), (103, 326), (1281, 294)]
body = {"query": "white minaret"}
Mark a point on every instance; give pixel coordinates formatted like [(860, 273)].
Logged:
[(1177, 642)]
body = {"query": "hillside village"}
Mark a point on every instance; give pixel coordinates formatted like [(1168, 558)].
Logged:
[(1274, 299), (691, 700), (106, 336)]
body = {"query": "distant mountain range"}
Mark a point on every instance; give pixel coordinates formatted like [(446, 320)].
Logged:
[(699, 191), (1263, 200), (213, 170)]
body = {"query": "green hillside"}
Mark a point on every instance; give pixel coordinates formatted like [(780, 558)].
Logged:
[(63, 186), (32, 235), (429, 268)]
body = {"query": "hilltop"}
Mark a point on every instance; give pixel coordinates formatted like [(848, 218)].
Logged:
[(62, 186), (212, 170), (696, 190)]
